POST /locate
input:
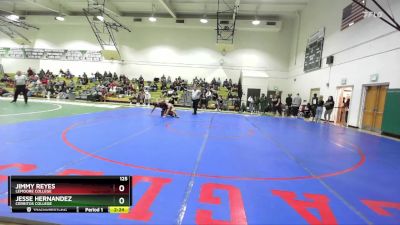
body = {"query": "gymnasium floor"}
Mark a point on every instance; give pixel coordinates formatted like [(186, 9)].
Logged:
[(208, 168)]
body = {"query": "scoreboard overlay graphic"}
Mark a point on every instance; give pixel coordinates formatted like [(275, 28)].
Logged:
[(68, 193)]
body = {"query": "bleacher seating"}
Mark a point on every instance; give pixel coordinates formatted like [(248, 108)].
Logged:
[(83, 92)]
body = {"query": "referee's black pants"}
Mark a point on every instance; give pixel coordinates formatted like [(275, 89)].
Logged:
[(195, 106), (18, 90)]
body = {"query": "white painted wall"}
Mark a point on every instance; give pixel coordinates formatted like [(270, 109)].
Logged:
[(368, 47), (152, 50), (263, 81), (55, 36), (13, 65)]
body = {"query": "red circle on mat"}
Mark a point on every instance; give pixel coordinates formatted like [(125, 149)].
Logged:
[(175, 172)]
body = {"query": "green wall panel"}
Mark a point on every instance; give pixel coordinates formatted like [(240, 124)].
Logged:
[(391, 116)]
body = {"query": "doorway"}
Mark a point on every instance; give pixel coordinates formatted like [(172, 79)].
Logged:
[(254, 93), (374, 105), (343, 99)]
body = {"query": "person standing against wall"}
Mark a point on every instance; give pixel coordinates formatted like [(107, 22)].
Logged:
[(251, 103), (270, 105), (277, 104), (256, 104), (320, 108), (329, 104), (347, 108), (263, 103), (20, 86), (314, 103), (296, 104), (289, 101), (196, 98)]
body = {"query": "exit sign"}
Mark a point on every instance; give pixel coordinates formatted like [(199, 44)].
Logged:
[(374, 77)]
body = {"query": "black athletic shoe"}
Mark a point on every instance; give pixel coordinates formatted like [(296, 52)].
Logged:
[(13, 101)]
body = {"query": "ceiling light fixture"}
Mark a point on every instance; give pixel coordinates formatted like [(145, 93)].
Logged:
[(59, 18), (255, 22), (110, 47), (203, 20), (152, 19), (101, 18), (13, 17)]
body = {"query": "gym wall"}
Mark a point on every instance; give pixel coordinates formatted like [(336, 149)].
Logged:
[(171, 50), (368, 47)]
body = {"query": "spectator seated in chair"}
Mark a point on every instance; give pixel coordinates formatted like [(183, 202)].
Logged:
[(141, 80), (170, 92), (85, 79), (153, 87), (6, 78), (68, 74), (141, 97), (62, 73), (4, 92), (133, 99), (98, 86), (305, 110)]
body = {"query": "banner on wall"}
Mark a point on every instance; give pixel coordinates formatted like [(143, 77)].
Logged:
[(313, 54), (51, 54)]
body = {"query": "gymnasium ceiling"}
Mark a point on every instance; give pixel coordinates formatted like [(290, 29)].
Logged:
[(182, 9)]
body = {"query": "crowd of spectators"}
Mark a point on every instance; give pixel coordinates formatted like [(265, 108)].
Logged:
[(292, 107), (100, 86)]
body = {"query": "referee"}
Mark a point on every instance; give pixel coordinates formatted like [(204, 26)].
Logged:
[(196, 98), (20, 86)]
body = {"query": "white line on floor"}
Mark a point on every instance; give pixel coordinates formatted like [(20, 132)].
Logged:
[(65, 102), (35, 112)]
